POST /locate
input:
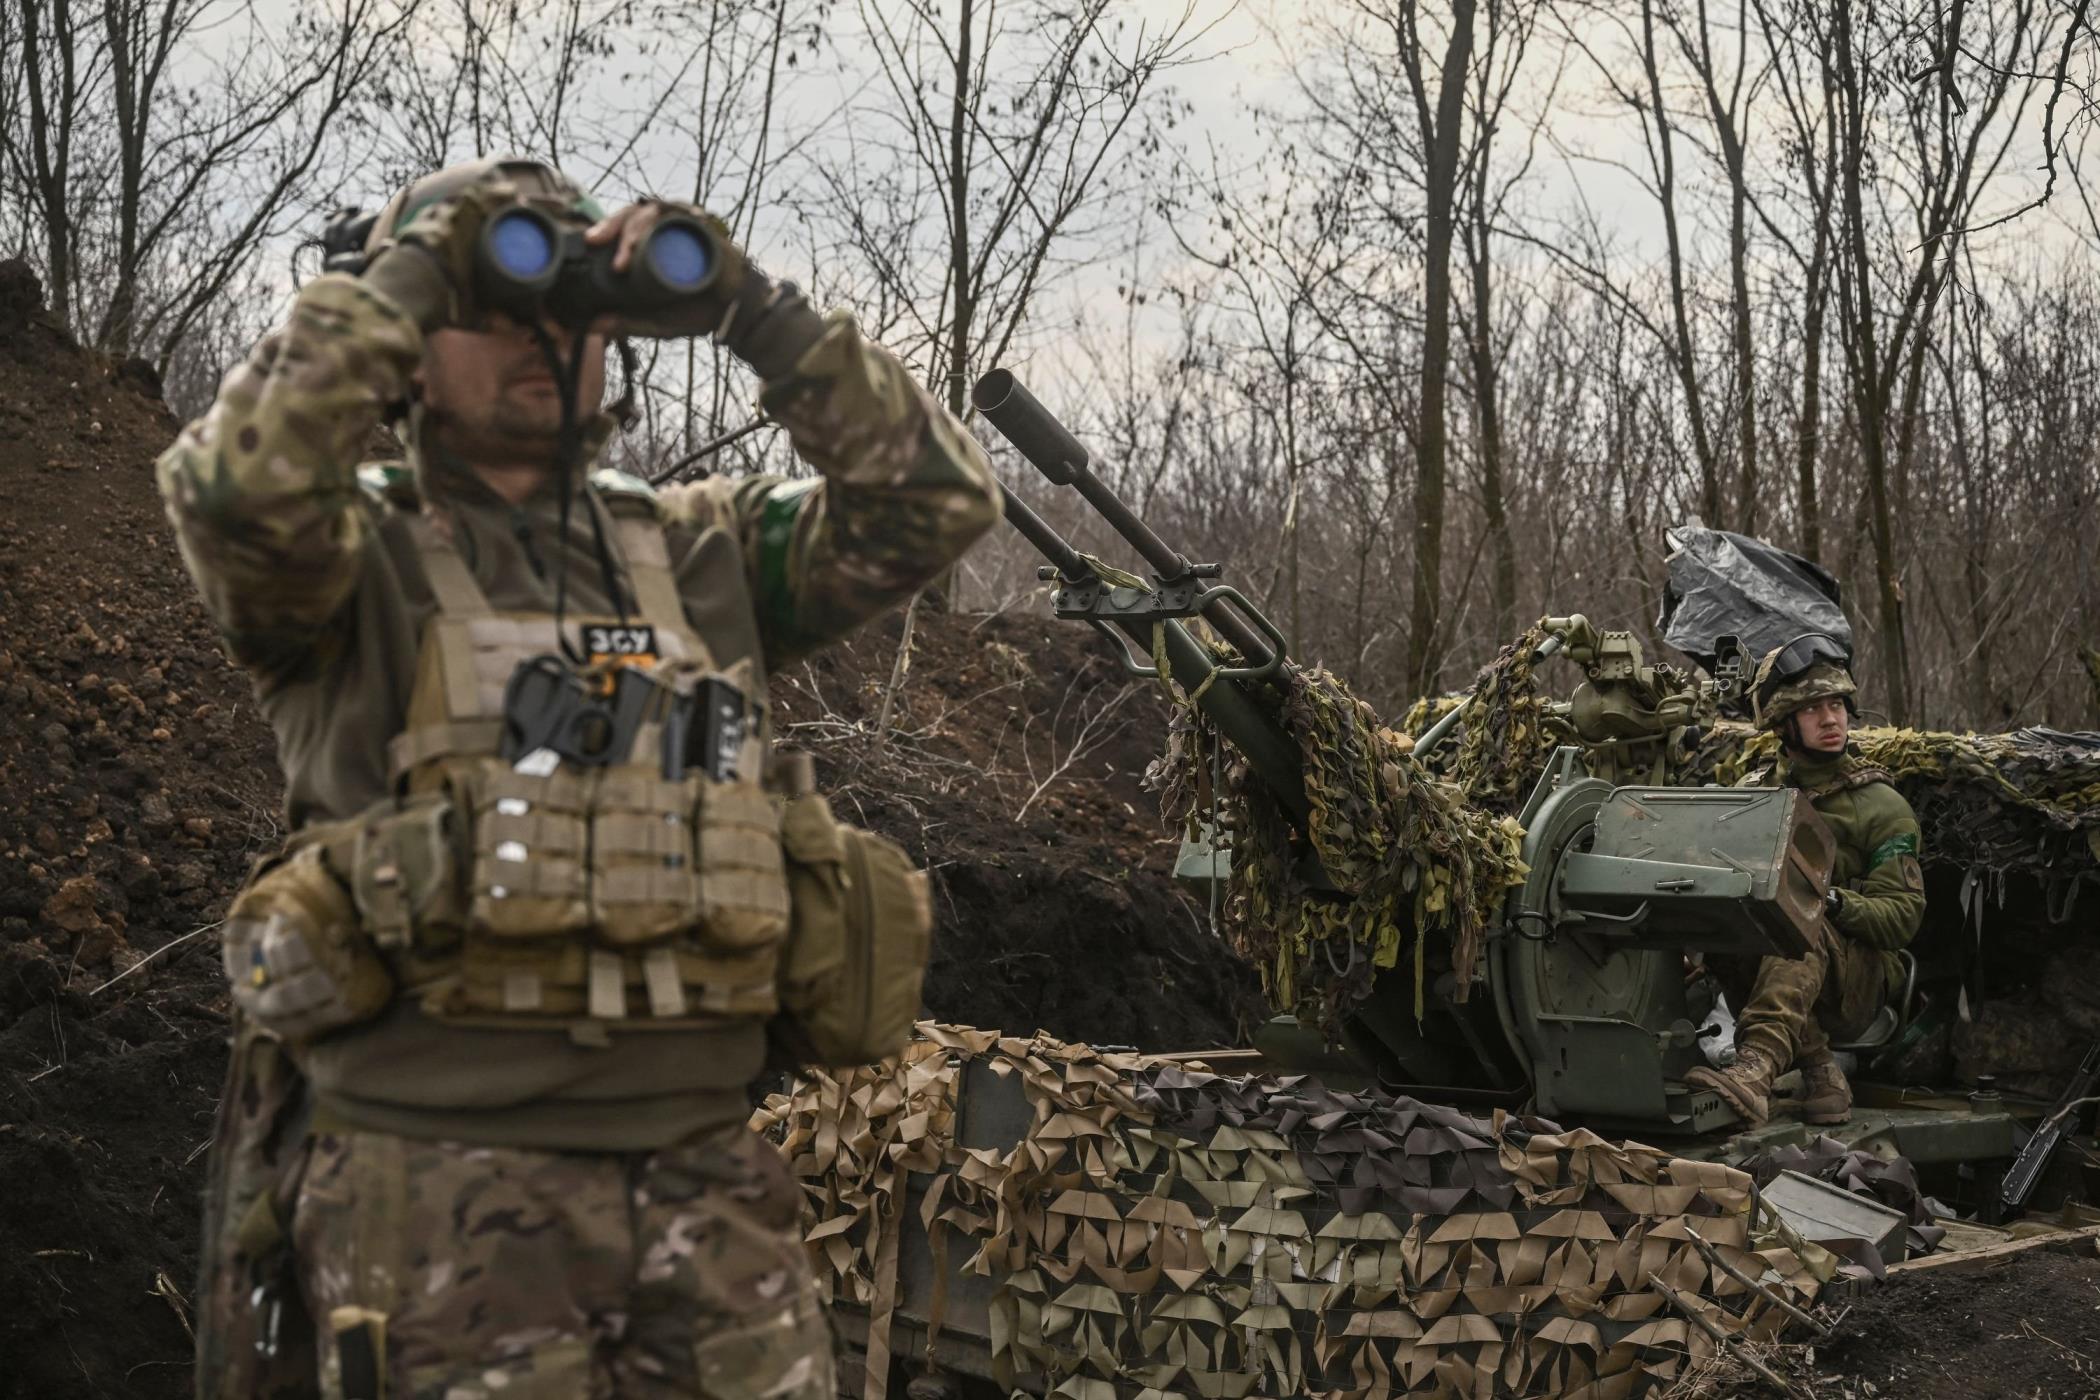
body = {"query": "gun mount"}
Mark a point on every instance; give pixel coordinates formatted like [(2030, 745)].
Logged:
[(1579, 1005)]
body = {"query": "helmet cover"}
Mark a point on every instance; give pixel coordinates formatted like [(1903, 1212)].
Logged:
[(1784, 688), (538, 183)]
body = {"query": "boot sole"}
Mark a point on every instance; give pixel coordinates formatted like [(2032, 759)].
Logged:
[(1720, 1084)]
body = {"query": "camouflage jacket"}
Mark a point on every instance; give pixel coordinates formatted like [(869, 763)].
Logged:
[(319, 590), (1880, 882), (323, 603)]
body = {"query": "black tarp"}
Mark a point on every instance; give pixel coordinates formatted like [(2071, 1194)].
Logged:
[(1724, 584)]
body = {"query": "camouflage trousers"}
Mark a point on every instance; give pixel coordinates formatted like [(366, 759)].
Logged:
[(1794, 1005), (435, 1271)]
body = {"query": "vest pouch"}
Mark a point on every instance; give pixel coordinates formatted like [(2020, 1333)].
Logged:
[(644, 887), (407, 880), (816, 858), (742, 886), (528, 836), (297, 958), (860, 932)]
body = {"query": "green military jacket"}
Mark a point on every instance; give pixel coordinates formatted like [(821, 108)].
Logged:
[(1880, 883), (321, 594)]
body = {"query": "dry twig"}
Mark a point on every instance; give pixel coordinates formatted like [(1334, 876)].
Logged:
[(1697, 1317)]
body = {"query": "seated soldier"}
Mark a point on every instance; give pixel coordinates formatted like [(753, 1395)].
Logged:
[(1803, 693)]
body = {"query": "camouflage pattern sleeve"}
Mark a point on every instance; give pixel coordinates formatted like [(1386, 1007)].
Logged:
[(263, 488), (1884, 911), (902, 491)]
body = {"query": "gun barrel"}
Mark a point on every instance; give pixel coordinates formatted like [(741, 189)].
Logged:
[(1034, 430), (1071, 566), (1231, 707)]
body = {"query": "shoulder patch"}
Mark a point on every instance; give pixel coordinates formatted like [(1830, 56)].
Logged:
[(1903, 843), (389, 484), (624, 488)]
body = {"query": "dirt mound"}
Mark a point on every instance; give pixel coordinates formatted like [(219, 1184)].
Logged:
[(1013, 774), (137, 780)]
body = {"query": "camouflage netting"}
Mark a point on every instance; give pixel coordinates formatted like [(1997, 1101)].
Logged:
[(1410, 861), (1158, 1230), (2026, 801), (1510, 733)]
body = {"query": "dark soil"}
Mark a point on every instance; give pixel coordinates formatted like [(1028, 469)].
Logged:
[(1062, 919), (2029, 1327), (137, 781), (2024, 1328)]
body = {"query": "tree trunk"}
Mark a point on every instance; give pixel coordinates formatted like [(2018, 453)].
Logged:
[(1425, 619), (1488, 407), (1869, 393), (124, 58), (51, 144), (940, 595), (1809, 432), (1710, 504), (1745, 359)]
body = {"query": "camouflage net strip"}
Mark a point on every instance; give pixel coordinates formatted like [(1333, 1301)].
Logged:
[(1509, 733), (1158, 1229), (1410, 860)]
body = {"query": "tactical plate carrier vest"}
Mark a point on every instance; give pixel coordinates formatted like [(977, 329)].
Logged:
[(646, 892)]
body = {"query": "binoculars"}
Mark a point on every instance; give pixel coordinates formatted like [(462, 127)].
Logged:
[(528, 265)]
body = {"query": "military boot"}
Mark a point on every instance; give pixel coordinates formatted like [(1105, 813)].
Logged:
[(1746, 1085), (1826, 1095)]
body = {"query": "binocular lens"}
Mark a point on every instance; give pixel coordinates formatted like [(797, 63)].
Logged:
[(680, 256), (522, 243)]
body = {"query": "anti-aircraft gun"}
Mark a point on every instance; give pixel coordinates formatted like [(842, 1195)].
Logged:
[(1578, 1007)]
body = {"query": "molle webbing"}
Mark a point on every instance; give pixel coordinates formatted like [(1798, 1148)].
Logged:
[(591, 894), (478, 649)]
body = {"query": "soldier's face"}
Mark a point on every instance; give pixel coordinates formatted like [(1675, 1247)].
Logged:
[(1823, 726), (492, 396)]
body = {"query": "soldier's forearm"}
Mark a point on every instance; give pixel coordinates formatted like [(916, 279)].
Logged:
[(263, 488), (905, 492), (1881, 920)]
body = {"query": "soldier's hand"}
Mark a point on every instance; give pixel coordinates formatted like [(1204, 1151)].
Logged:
[(764, 323), (711, 311), (428, 269)]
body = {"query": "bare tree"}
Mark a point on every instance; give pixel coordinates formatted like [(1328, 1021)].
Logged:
[(1727, 99), (998, 143), (60, 66), (1953, 147), (1509, 28)]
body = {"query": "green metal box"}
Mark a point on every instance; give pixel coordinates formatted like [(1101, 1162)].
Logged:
[(1715, 870)]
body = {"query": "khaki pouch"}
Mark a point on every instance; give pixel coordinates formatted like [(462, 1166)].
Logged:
[(297, 959), (406, 878), (527, 876), (742, 886), (859, 934), (643, 884)]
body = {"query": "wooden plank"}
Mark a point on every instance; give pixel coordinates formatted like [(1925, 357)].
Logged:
[(1967, 1234), (2085, 1241)]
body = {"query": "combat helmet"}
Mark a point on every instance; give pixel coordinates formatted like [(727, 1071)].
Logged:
[(1812, 667), (538, 182)]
